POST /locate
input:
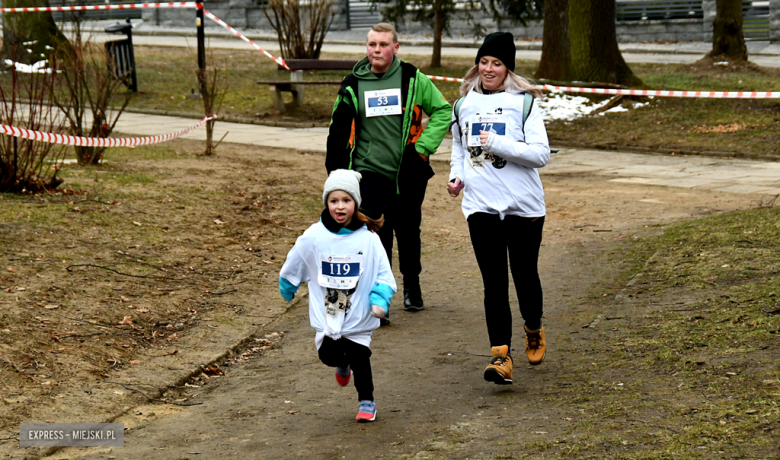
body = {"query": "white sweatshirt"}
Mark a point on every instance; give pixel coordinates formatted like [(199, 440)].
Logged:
[(339, 301), (502, 178)]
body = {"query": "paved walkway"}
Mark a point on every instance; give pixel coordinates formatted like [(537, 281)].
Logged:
[(758, 178)]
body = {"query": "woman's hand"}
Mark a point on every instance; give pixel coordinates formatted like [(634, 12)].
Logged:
[(483, 137), (454, 187)]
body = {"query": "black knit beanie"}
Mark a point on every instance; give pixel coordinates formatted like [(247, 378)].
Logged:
[(500, 45)]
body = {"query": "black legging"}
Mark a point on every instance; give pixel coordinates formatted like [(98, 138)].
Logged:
[(521, 237), (344, 352)]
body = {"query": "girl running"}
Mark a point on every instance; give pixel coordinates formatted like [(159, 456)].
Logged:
[(350, 284)]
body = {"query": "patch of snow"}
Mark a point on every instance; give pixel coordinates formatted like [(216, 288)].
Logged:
[(38, 67), (562, 106), (615, 109)]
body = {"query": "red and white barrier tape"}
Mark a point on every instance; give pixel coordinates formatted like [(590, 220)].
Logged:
[(644, 92), (452, 79), (279, 60), (661, 93), (97, 141), (102, 7)]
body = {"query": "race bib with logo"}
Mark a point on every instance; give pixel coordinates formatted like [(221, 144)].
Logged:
[(382, 103), (489, 123), (339, 272)]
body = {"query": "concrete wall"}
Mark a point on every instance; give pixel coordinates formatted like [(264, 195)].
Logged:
[(240, 14)]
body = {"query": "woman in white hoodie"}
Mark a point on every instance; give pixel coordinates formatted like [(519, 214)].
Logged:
[(499, 142), (350, 284)]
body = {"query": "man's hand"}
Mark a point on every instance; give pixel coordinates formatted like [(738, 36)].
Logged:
[(454, 187)]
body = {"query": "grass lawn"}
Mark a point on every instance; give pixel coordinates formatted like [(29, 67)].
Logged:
[(704, 321)]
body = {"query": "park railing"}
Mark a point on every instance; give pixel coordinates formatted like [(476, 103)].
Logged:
[(755, 14), (658, 10), (755, 20)]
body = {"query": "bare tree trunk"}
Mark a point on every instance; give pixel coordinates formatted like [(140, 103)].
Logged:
[(580, 44), (556, 55), (728, 41), (595, 56), (36, 29), (437, 33)]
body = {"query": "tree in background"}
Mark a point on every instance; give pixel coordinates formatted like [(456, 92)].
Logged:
[(728, 40), (580, 44), (300, 26), (438, 14), (555, 63), (90, 88), (33, 31)]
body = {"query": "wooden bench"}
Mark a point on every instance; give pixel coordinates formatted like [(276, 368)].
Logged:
[(296, 84)]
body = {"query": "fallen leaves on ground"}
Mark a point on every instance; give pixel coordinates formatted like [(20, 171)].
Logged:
[(730, 128)]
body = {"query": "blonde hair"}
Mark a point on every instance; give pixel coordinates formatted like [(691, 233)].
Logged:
[(373, 224), (385, 27), (513, 84)]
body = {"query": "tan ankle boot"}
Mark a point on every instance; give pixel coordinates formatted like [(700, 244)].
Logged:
[(535, 346), (500, 369)]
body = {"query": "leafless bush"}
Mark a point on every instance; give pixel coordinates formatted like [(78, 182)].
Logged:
[(300, 25), (27, 100), (90, 86), (213, 89)]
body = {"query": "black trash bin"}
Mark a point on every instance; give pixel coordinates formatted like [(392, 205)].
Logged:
[(121, 60)]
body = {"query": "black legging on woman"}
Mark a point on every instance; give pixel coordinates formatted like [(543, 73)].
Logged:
[(520, 238)]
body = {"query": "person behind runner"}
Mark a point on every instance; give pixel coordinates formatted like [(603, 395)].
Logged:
[(496, 154), (350, 284), (376, 129)]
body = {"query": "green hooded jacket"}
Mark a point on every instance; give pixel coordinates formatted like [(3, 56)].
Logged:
[(415, 144)]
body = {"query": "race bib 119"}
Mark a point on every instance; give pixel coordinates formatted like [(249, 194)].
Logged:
[(339, 272)]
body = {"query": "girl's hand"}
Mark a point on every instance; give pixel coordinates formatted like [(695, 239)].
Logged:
[(454, 187), (378, 312), (483, 137)]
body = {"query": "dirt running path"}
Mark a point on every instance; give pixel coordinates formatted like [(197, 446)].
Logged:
[(432, 400)]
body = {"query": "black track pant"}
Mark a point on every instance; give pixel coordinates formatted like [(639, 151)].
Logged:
[(492, 239), (344, 352), (403, 215)]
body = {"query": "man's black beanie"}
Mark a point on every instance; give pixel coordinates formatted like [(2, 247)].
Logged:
[(500, 45)]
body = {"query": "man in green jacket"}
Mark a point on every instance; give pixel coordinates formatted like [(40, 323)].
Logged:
[(376, 129)]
